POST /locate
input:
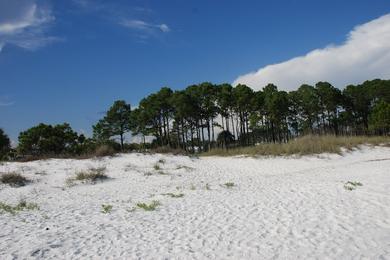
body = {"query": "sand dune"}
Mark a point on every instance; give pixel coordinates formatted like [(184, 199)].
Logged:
[(277, 208)]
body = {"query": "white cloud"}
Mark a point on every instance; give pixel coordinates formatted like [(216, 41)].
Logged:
[(24, 23), (364, 55), (144, 26)]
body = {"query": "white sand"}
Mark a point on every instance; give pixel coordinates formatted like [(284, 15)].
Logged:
[(279, 208)]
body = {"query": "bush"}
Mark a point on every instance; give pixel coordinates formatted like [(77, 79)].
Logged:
[(13, 179), (104, 150)]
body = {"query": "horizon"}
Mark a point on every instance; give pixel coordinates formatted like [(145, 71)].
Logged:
[(68, 62)]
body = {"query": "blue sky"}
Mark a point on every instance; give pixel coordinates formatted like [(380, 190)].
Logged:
[(67, 61)]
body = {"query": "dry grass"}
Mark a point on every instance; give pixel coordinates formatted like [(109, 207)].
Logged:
[(304, 146), (13, 179), (92, 175), (168, 150)]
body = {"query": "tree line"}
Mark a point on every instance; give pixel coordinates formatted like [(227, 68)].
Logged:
[(204, 116)]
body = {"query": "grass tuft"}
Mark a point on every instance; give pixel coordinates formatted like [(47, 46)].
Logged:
[(92, 174), (106, 208), (13, 179), (149, 207), (229, 184), (352, 185), (22, 205)]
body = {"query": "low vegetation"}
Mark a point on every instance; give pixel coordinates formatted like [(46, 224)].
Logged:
[(106, 208), (13, 179), (149, 207), (351, 185), (229, 184), (311, 144), (92, 175), (22, 205), (173, 195)]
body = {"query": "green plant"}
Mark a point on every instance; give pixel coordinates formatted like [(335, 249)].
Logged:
[(352, 185), (192, 187), (208, 186), (172, 195), (162, 161), (149, 207), (106, 208), (22, 205), (157, 167), (229, 184), (13, 179), (92, 174)]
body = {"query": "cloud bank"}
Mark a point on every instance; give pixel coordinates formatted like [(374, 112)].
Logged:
[(24, 23), (364, 55)]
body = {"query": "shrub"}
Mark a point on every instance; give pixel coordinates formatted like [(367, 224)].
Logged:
[(104, 150), (13, 179), (149, 207)]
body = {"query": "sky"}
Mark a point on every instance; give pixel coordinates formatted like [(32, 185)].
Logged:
[(68, 61)]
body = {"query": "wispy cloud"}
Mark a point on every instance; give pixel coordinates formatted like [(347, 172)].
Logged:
[(24, 23), (135, 18), (6, 101), (144, 26), (364, 55)]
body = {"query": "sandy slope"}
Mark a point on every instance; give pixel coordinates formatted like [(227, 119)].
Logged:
[(280, 208)]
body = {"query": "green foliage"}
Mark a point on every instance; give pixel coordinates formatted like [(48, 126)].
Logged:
[(229, 184), (117, 122), (149, 207), (106, 208), (5, 145), (92, 175), (379, 119), (22, 205), (13, 179), (49, 140), (352, 185)]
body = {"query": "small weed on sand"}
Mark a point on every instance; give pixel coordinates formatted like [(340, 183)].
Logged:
[(229, 184), (92, 175), (22, 205), (106, 208), (352, 185), (172, 195), (149, 207)]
